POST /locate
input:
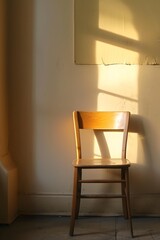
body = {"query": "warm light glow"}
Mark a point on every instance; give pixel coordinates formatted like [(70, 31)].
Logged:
[(113, 146), (116, 18), (118, 90), (119, 36), (107, 53), (117, 85)]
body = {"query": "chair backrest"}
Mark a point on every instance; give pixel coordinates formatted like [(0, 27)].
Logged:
[(106, 121)]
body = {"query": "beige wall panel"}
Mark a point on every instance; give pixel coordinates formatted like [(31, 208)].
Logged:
[(117, 31)]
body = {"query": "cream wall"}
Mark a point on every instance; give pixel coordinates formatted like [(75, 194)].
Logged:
[(45, 86)]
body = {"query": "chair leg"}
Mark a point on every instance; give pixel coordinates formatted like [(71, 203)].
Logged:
[(79, 176), (128, 200), (124, 201), (74, 202)]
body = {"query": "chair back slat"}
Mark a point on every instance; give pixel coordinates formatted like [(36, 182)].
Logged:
[(105, 121), (102, 120)]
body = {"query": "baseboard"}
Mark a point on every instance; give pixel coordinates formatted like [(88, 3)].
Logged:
[(44, 203), (60, 204)]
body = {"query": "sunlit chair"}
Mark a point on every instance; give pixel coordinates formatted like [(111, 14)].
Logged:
[(106, 122)]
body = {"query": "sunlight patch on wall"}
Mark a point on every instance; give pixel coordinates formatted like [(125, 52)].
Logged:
[(108, 53), (116, 21), (117, 18), (111, 146), (118, 91), (118, 88)]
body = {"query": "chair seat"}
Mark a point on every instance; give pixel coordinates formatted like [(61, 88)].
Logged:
[(101, 163)]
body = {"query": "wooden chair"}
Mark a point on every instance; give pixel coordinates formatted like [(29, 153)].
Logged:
[(101, 121)]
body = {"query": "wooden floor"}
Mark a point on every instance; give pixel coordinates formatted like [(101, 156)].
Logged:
[(93, 228)]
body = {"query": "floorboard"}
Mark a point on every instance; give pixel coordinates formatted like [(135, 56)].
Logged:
[(86, 228)]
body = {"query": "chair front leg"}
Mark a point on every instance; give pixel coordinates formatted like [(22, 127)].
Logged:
[(74, 202), (79, 176)]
